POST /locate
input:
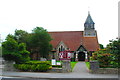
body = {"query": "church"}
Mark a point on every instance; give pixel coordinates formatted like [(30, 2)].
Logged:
[(81, 43)]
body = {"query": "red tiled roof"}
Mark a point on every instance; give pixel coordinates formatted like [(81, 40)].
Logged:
[(91, 43), (72, 39)]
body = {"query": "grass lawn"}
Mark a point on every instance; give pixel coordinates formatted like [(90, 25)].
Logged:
[(87, 64), (73, 64)]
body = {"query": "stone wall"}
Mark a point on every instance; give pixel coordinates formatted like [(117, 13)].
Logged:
[(94, 68), (8, 66), (105, 71), (55, 70)]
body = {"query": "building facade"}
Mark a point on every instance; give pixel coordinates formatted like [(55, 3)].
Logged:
[(80, 43)]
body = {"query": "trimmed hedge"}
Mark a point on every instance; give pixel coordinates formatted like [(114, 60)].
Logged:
[(58, 66), (34, 66)]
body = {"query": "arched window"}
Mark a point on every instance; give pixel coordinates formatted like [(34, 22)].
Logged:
[(59, 49)]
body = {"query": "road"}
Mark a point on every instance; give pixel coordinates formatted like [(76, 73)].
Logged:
[(12, 78)]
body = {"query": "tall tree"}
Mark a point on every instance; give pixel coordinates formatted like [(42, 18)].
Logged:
[(40, 42), (13, 51), (21, 36)]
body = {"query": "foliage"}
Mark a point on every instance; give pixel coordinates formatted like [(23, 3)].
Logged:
[(39, 42), (109, 57), (94, 56), (114, 48), (36, 66), (13, 51), (21, 36), (104, 58), (101, 46), (38, 62), (58, 66), (22, 43)]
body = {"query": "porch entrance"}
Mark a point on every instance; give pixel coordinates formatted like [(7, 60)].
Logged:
[(81, 56)]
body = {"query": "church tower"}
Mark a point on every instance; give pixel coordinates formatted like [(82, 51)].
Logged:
[(89, 29)]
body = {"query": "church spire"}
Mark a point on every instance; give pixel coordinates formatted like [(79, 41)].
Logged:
[(89, 19), (89, 24), (89, 30)]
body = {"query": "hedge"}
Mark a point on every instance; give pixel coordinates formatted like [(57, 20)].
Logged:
[(34, 66), (58, 66)]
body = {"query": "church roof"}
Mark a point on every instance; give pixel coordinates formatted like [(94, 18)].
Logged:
[(89, 19), (73, 40)]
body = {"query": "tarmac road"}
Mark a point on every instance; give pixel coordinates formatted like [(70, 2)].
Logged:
[(58, 79)]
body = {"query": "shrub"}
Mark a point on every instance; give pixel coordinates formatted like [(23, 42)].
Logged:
[(38, 62), (94, 56), (58, 66), (104, 59), (35, 66)]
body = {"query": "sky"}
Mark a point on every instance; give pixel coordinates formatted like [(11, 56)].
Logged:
[(59, 15)]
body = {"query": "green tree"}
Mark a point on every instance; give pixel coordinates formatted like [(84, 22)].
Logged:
[(101, 46), (21, 36), (22, 50), (12, 51), (40, 42), (114, 48)]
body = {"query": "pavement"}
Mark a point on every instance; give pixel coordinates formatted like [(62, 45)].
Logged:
[(80, 71)]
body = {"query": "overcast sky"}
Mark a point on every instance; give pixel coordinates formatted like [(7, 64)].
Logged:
[(59, 15)]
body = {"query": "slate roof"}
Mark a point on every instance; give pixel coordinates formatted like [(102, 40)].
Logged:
[(89, 20), (73, 40)]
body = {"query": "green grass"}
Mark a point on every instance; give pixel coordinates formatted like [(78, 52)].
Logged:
[(87, 64), (73, 64)]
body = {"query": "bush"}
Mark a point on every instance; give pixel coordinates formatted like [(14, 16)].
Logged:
[(38, 62), (104, 59), (58, 66), (94, 56), (34, 66)]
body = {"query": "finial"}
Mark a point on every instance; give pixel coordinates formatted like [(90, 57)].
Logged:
[(88, 10)]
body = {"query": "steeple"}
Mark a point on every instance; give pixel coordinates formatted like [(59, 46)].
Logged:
[(89, 30), (89, 24)]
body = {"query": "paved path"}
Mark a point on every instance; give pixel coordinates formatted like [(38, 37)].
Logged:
[(80, 67)]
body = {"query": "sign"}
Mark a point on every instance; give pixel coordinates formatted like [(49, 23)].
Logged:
[(58, 63), (53, 62), (65, 55)]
